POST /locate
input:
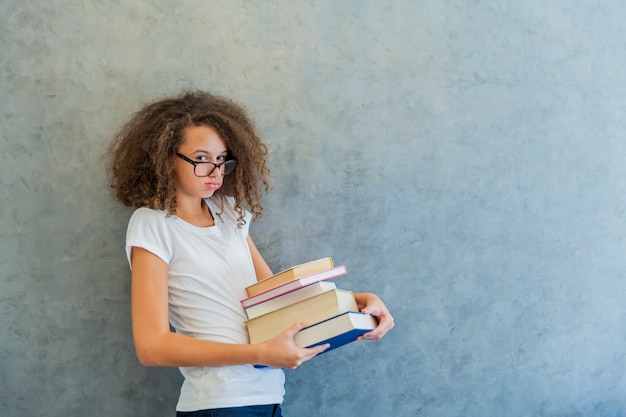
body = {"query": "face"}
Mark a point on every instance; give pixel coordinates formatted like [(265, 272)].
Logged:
[(200, 144)]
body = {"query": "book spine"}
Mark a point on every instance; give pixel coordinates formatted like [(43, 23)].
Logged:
[(300, 294), (293, 286), (309, 268)]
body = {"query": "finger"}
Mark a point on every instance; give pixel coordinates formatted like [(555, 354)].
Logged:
[(313, 351), (373, 335), (385, 323), (371, 310), (316, 350)]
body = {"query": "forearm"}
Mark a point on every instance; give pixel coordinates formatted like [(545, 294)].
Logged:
[(173, 349), (261, 268)]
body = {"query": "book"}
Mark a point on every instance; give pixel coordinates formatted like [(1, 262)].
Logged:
[(290, 274), (338, 331), (294, 285), (309, 311), (286, 299)]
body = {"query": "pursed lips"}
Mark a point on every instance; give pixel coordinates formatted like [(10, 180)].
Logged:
[(213, 185)]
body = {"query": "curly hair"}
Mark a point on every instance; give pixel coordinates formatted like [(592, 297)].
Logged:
[(141, 155)]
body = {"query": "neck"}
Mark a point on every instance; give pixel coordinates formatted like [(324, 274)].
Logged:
[(196, 213)]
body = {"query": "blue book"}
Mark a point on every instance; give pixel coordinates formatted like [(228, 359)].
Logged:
[(338, 331)]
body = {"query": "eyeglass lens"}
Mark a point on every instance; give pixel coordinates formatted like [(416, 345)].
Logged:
[(205, 169)]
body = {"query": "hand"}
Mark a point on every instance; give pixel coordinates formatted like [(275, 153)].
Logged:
[(370, 304), (282, 351)]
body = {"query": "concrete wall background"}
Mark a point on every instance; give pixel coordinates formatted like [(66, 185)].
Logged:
[(465, 160)]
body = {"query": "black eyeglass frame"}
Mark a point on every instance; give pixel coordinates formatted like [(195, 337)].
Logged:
[(215, 166)]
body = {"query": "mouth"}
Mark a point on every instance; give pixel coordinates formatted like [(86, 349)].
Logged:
[(212, 185)]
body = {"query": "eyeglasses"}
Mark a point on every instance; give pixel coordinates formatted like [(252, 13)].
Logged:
[(205, 168)]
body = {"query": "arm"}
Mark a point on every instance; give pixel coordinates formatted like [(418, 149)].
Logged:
[(369, 303), (156, 345), (261, 267)]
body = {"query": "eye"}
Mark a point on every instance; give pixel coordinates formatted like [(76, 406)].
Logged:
[(202, 158), (221, 158)]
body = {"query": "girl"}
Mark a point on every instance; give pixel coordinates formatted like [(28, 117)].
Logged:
[(189, 164)]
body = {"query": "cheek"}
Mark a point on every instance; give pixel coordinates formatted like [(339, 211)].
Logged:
[(181, 176)]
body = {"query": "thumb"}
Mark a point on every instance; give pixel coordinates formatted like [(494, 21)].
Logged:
[(295, 328)]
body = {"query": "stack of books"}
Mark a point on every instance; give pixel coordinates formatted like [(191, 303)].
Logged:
[(304, 293)]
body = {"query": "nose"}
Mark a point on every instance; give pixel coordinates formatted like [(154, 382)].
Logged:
[(216, 172)]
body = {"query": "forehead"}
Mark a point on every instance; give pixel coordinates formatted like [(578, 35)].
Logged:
[(202, 138)]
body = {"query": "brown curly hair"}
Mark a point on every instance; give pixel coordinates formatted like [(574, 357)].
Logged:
[(141, 155)]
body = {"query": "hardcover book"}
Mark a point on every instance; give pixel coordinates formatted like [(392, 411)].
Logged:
[(290, 274), (294, 285), (309, 311), (338, 331), (292, 297)]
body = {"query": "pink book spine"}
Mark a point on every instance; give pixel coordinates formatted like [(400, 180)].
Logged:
[(293, 285)]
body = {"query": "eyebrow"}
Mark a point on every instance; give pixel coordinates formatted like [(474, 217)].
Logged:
[(202, 151)]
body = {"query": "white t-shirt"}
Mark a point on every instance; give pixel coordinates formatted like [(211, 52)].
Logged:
[(209, 269)]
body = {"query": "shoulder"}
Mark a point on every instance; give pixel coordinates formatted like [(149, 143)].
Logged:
[(147, 228), (146, 219), (147, 214), (228, 203), (150, 213)]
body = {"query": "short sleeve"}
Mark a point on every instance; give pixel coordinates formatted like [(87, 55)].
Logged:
[(147, 230)]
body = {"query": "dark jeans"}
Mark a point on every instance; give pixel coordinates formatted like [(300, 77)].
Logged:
[(272, 410)]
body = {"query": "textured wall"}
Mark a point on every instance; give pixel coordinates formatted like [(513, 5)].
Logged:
[(465, 160)]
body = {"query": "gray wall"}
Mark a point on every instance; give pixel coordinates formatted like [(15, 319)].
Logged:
[(464, 159)]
